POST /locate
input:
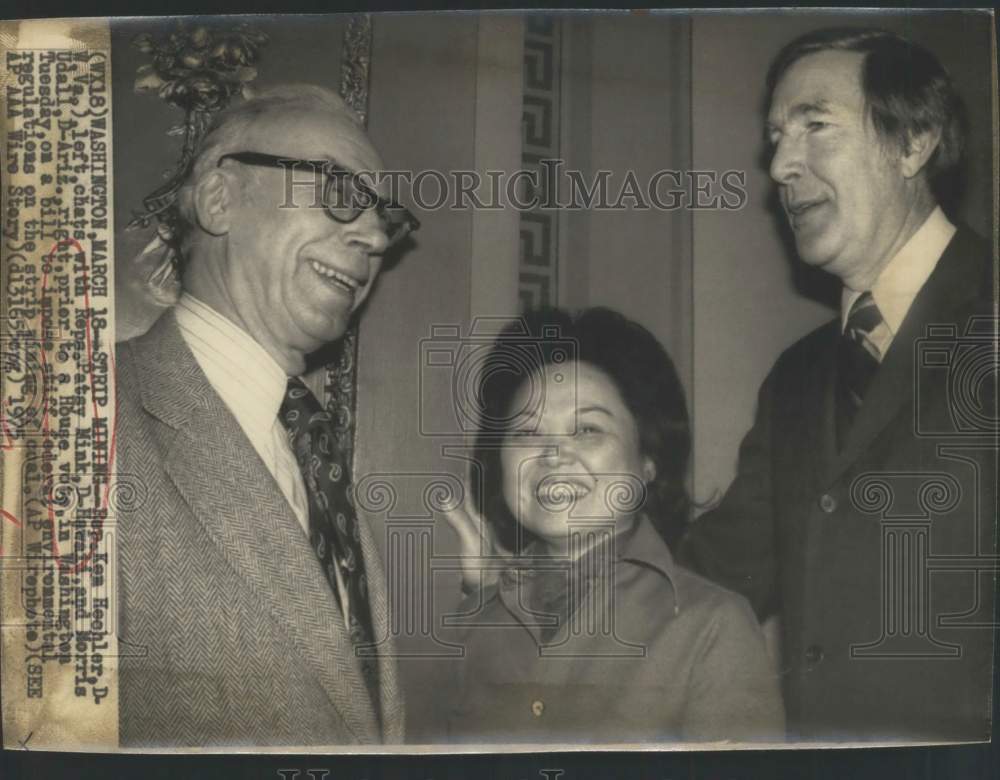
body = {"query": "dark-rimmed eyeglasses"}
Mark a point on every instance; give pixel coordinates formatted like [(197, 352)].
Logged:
[(345, 196)]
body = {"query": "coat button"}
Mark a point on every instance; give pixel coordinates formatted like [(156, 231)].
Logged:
[(827, 503), (814, 654), (537, 708)]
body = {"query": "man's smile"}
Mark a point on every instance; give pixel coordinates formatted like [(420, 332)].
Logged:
[(338, 280), (801, 211)]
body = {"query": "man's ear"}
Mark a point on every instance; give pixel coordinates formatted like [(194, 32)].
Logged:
[(918, 150), (213, 203)]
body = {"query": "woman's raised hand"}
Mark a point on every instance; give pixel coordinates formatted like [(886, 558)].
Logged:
[(478, 545)]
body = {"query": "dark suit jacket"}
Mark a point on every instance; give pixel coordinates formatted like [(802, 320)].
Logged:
[(870, 553), (230, 634)]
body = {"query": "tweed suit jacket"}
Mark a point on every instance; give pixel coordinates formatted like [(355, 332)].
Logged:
[(875, 555), (230, 634)]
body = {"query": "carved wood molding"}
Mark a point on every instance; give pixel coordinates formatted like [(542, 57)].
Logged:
[(341, 381)]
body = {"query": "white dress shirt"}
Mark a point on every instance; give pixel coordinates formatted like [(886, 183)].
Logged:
[(897, 286), (251, 385)]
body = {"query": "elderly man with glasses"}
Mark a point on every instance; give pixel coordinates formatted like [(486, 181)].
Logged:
[(250, 593)]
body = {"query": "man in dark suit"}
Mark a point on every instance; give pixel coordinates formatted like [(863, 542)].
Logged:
[(864, 507), (251, 596)]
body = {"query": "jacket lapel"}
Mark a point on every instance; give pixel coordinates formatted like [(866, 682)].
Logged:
[(232, 494), (390, 693), (950, 287), (804, 408), (890, 389), (823, 422)]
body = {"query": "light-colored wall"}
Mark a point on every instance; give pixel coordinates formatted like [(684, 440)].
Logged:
[(747, 308), (627, 87), (423, 102), (421, 116)]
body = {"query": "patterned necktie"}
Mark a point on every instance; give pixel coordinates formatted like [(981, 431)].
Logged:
[(333, 525), (858, 360)]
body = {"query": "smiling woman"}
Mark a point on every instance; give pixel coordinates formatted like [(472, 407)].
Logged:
[(593, 633), (567, 458)]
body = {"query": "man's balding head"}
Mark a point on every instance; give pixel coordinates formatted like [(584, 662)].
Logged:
[(241, 126), (264, 254)]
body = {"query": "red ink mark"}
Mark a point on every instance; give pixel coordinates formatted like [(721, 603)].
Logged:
[(97, 532), (10, 519)]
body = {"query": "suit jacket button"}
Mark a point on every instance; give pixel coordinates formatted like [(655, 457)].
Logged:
[(827, 503), (814, 654), (537, 708)]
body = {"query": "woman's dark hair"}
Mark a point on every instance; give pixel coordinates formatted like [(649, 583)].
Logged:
[(640, 369)]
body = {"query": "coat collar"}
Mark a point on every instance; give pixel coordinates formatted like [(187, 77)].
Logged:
[(955, 282), (232, 494), (640, 546)]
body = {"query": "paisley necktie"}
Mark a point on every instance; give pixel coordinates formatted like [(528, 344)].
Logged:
[(333, 525)]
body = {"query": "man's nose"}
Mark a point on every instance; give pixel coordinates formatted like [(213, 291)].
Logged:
[(368, 231), (788, 161)]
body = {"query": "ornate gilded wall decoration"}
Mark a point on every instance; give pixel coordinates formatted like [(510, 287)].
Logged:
[(199, 70), (341, 372)]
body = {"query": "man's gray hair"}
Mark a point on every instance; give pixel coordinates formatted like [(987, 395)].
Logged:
[(231, 126)]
